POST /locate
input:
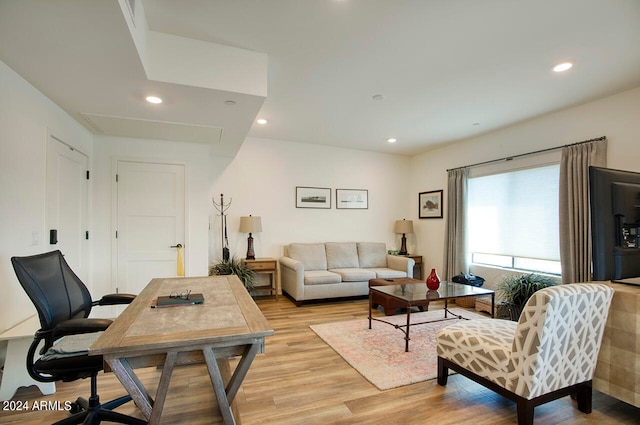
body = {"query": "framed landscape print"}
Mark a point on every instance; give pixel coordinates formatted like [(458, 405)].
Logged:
[(430, 204), (352, 199), (313, 197)]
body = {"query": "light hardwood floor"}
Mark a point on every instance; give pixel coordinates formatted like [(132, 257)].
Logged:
[(301, 380)]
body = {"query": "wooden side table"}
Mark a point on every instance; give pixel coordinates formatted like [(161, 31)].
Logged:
[(417, 268), (266, 266)]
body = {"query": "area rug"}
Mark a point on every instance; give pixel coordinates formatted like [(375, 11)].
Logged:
[(378, 353)]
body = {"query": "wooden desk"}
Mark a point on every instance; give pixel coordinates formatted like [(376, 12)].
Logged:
[(227, 324), (15, 373)]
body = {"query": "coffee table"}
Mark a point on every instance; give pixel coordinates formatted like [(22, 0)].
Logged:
[(411, 295), (391, 304)]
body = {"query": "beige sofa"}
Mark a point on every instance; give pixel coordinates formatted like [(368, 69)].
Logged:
[(311, 271)]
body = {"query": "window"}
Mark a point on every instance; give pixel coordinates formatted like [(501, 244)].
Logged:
[(512, 219)]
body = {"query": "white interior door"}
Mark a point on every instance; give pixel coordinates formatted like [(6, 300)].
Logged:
[(67, 204), (150, 222)]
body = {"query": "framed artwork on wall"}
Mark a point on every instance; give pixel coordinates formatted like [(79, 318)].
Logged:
[(430, 204), (313, 197), (357, 199)]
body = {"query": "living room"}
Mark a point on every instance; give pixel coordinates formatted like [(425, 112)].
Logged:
[(261, 179)]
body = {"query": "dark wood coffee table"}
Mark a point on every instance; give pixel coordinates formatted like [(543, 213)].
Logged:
[(410, 294), (389, 303)]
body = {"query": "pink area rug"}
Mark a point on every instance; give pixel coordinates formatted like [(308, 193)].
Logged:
[(378, 353)]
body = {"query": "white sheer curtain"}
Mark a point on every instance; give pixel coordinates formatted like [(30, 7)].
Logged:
[(575, 232), (455, 260)]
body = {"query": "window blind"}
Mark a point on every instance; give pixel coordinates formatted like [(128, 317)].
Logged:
[(515, 213)]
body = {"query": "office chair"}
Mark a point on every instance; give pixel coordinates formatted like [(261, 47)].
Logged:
[(63, 303)]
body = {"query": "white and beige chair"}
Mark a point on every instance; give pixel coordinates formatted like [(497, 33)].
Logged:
[(549, 353)]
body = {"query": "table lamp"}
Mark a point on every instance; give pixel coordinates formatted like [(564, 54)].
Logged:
[(250, 225), (403, 226)]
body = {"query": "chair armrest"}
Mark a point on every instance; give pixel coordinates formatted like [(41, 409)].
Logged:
[(115, 299), (80, 326)]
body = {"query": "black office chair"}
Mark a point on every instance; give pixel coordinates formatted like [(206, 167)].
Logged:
[(63, 303)]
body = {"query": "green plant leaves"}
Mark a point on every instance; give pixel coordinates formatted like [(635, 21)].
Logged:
[(235, 266)]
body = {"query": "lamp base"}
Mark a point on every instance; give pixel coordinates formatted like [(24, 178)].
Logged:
[(403, 248), (251, 255)]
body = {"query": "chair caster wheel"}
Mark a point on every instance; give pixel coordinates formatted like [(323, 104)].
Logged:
[(75, 408)]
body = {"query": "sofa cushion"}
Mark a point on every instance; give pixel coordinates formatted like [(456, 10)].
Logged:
[(355, 274), (342, 255), (372, 254), (320, 277), (386, 273), (311, 255)]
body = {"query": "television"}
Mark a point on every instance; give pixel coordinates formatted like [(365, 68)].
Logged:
[(615, 224)]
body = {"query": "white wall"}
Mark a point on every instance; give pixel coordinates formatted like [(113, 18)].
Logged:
[(262, 180), (617, 117), (25, 117)]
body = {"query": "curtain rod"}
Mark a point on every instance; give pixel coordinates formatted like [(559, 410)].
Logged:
[(509, 158)]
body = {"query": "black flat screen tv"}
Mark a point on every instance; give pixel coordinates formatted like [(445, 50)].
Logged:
[(615, 223)]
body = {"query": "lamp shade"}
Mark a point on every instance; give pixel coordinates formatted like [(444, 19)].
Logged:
[(250, 224), (403, 226)]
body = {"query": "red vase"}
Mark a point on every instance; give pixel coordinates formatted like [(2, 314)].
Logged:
[(433, 281)]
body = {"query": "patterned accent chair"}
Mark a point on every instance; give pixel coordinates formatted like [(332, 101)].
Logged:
[(549, 353)]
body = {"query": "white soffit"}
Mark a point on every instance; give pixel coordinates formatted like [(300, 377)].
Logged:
[(147, 129), (180, 60)]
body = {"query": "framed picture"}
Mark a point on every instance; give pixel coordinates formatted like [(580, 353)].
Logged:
[(357, 199), (313, 197), (430, 204)]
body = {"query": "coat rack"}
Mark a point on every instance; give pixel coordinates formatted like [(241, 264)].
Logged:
[(222, 210)]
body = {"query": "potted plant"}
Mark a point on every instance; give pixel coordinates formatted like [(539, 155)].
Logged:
[(515, 290), (236, 267)]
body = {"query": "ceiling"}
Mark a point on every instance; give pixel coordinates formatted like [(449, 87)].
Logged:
[(446, 69)]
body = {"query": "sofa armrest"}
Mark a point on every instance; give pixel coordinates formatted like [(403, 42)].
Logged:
[(404, 264), (292, 277)]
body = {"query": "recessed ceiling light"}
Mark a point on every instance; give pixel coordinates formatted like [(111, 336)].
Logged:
[(261, 121), (230, 102), (153, 99), (563, 66), (378, 97), (392, 140)]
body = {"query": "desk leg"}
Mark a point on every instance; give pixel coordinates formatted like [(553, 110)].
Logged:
[(218, 386), (225, 396), (163, 387), (241, 370), (132, 384)]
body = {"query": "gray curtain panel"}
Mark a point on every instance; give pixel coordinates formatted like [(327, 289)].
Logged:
[(455, 260), (575, 232)]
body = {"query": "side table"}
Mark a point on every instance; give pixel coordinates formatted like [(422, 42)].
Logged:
[(267, 266), (417, 268)]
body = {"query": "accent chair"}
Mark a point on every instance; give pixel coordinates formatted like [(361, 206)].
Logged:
[(551, 352)]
